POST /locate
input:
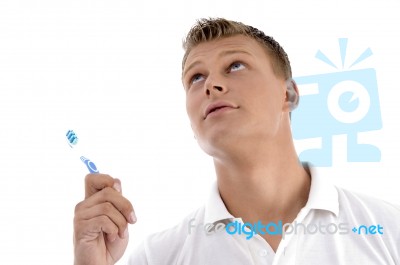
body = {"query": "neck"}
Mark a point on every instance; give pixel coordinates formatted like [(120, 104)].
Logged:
[(263, 182)]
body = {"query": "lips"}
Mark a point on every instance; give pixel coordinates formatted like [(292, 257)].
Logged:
[(216, 106)]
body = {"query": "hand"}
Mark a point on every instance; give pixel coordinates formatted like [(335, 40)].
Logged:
[(101, 222)]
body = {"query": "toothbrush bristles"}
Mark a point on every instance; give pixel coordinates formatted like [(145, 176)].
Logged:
[(72, 138)]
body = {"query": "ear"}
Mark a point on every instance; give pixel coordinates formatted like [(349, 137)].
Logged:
[(292, 94)]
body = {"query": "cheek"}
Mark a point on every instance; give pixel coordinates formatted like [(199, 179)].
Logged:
[(192, 107), (263, 100)]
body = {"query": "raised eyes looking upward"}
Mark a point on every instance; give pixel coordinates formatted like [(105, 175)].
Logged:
[(199, 77)]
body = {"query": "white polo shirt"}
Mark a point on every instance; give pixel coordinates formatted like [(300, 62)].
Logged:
[(335, 227)]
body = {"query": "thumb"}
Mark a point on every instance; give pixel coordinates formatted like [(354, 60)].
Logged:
[(96, 182)]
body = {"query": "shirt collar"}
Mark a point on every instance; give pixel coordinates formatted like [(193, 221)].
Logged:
[(215, 208), (323, 196)]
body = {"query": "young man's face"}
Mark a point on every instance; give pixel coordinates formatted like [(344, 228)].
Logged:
[(232, 93)]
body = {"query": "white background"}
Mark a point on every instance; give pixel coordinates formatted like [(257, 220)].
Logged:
[(110, 70)]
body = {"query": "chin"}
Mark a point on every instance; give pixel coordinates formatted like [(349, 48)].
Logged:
[(218, 144)]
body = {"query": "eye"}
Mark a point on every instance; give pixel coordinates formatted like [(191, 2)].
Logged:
[(236, 66), (196, 78)]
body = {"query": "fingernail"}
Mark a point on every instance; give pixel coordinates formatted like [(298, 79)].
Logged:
[(133, 218), (117, 186), (126, 232)]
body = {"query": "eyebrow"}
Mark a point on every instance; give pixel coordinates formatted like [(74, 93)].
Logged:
[(222, 54)]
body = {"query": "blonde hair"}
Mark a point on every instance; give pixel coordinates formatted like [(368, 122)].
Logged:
[(205, 30)]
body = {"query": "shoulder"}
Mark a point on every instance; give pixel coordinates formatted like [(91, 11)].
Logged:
[(367, 214), (366, 205), (165, 246)]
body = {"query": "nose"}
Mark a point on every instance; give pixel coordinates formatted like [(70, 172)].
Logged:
[(215, 87)]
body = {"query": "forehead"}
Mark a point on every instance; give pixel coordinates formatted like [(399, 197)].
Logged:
[(218, 46)]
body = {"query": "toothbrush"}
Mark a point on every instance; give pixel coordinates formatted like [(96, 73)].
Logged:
[(72, 142)]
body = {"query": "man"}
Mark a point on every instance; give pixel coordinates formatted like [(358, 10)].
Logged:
[(239, 95)]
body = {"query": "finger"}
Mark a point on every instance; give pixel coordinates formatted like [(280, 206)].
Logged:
[(117, 185), (97, 182), (90, 229), (112, 196), (108, 210)]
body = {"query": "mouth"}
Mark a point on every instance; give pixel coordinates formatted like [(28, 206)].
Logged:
[(218, 106)]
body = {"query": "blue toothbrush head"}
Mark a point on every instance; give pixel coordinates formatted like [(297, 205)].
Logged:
[(72, 138)]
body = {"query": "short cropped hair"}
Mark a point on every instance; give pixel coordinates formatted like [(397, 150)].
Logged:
[(210, 29)]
